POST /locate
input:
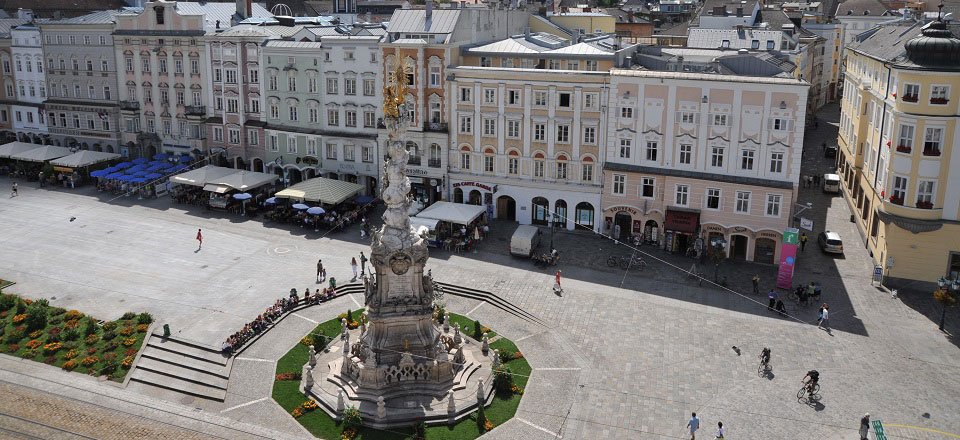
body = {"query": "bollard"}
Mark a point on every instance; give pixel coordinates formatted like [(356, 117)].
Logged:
[(166, 330)]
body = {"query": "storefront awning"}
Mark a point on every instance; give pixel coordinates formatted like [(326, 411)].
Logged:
[(218, 189), (681, 221), (201, 176), (84, 158), (245, 180), (321, 189), (429, 223), (9, 149), (42, 154), (459, 213)]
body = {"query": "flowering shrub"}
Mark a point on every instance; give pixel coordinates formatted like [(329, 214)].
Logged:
[(289, 376), (296, 413), (92, 339), (13, 348), (109, 357), (127, 362), (35, 334), (69, 365), (129, 341), (130, 352), (349, 433), (71, 324), (70, 354), (142, 328), (4, 314), (307, 340), (73, 314), (19, 318), (89, 360), (108, 326), (126, 331), (34, 343), (50, 360), (518, 355), (309, 405), (54, 332), (352, 417), (516, 390), (52, 347), (488, 425)]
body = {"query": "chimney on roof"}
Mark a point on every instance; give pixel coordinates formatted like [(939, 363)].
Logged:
[(463, 4), (719, 11), (429, 9), (368, 17), (739, 11), (244, 9)]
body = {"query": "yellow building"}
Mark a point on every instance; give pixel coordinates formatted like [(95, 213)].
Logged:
[(898, 133)]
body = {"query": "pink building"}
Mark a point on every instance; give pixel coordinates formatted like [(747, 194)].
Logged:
[(696, 160)]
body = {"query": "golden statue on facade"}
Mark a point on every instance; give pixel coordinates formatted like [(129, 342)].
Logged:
[(395, 92)]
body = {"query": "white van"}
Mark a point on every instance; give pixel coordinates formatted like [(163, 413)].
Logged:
[(525, 239), (831, 183)]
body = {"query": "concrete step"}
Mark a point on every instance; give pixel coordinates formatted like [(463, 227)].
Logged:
[(187, 349), (492, 299), (182, 373), (179, 385), (185, 362)]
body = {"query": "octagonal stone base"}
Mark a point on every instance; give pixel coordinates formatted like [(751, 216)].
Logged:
[(407, 402)]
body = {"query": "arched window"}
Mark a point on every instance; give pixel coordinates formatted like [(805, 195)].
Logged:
[(489, 157), (560, 213), (586, 169), (541, 210), (465, 158), (435, 153), (583, 215), (539, 165), (513, 162), (560, 171)]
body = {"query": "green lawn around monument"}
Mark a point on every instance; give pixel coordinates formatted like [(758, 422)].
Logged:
[(288, 395)]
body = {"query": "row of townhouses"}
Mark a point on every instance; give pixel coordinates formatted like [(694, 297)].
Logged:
[(543, 123)]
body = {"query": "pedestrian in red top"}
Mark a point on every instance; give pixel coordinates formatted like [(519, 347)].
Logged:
[(556, 287), (199, 239)]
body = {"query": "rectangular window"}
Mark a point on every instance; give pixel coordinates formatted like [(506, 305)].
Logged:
[(291, 145), (905, 143), (538, 167), (686, 154), (366, 153), (252, 137), (274, 112), (743, 202), (776, 162), (619, 184), (181, 100), (925, 191), (563, 133), (586, 172), (489, 127), (773, 205), (196, 98), (626, 112), (911, 92), (513, 165), (899, 190), (350, 86), (466, 124), (231, 76), (651, 150), (564, 99), (466, 94), (255, 106), (539, 132), (591, 65), (350, 118), (625, 146), (465, 161), (939, 94), (369, 119), (931, 141), (590, 135), (647, 185), (713, 198), (313, 115), (716, 157), (144, 65), (292, 84), (333, 85), (274, 142), (218, 134), (682, 195), (348, 153), (688, 118), (720, 120), (746, 159), (513, 129), (369, 87), (91, 92), (233, 105), (561, 170), (434, 76), (333, 118), (590, 101), (540, 98), (162, 65), (194, 67), (513, 97), (488, 163), (234, 136), (178, 66), (489, 96)]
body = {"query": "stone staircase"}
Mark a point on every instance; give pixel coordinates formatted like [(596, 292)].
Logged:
[(492, 299), (184, 367)]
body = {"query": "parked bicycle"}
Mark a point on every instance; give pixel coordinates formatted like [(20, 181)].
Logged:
[(625, 263)]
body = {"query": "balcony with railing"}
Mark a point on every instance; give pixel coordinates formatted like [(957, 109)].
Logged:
[(433, 163), (130, 105), (413, 160), (195, 110), (437, 127)]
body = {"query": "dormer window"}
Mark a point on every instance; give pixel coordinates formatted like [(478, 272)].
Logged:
[(159, 11)]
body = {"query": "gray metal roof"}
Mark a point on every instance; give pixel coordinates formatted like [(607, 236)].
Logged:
[(99, 17), (868, 8), (9, 23), (293, 44), (214, 12), (443, 21)]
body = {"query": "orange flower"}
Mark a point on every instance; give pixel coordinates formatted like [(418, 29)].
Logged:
[(34, 343), (142, 328), (52, 347), (19, 318), (129, 341), (89, 360), (69, 365), (70, 354), (127, 362), (296, 412)]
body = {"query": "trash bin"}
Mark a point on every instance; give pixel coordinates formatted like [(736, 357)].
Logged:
[(166, 330), (333, 282), (852, 218)]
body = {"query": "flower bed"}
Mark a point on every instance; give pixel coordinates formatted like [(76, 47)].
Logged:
[(70, 340), (286, 393)]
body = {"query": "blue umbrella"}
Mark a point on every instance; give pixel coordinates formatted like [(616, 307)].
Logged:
[(316, 210), (140, 160), (363, 200), (300, 206), (138, 180), (271, 201), (179, 168), (153, 176), (242, 196), (123, 165), (98, 173), (125, 178), (114, 175), (160, 156), (185, 159)]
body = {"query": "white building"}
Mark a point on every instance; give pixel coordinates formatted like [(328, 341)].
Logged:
[(26, 50)]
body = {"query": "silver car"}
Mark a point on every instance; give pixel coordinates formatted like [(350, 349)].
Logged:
[(830, 241)]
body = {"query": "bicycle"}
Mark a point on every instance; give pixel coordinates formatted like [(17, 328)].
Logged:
[(626, 262), (811, 392), (764, 367)]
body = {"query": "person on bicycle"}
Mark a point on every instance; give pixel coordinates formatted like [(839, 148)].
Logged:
[(811, 379), (765, 356)]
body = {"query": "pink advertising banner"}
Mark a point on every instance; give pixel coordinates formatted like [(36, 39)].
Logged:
[(788, 258)]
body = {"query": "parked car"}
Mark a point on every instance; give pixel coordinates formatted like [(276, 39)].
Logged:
[(830, 241), (831, 183)]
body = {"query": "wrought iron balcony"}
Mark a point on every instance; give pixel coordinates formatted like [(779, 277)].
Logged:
[(438, 127), (433, 163), (130, 105), (414, 160), (195, 110)]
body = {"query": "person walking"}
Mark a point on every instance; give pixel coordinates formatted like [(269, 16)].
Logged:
[(694, 425), (14, 191), (40, 179), (864, 426), (720, 430), (199, 239), (557, 288), (772, 296), (353, 265), (363, 264), (803, 241), (756, 284), (319, 271), (824, 317)]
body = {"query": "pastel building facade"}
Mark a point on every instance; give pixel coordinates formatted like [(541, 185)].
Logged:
[(26, 52)]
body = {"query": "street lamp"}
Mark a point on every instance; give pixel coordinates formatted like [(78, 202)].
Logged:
[(945, 296), (553, 227), (803, 208)]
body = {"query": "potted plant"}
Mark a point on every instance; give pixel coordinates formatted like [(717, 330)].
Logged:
[(910, 98), (922, 204), (896, 200), (939, 100), (931, 152), (904, 149)]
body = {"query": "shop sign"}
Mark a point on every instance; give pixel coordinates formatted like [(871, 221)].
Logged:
[(739, 229), (476, 184), (627, 209), (768, 235), (416, 171), (681, 221), (309, 160), (713, 228), (788, 258)]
